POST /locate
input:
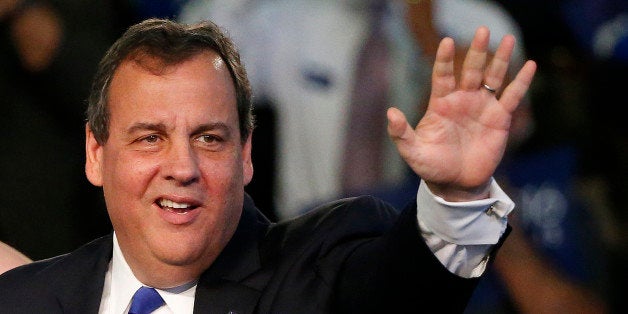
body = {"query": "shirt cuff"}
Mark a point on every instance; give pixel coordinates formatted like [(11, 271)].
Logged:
[(477, 222)]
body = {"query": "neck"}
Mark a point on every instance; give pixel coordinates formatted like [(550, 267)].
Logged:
[(156, 274)]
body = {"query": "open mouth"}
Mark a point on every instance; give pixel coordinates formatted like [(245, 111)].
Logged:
[(175, 207)]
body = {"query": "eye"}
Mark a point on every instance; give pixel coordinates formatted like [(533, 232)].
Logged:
[(151, 139), (209, 139)]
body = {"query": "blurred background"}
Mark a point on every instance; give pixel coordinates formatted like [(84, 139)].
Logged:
[(309, 63)]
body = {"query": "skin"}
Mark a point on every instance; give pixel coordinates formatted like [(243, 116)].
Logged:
[(174, 135)]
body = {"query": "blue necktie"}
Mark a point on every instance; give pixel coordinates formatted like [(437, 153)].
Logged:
[(145, 301)]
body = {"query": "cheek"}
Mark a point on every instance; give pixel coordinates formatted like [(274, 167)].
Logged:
[(125, 181), (223, 175), (131, 173)]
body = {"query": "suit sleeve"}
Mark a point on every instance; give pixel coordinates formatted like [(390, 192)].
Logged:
[(397, 272)]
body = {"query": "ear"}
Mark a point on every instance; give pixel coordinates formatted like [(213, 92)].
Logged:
[(93, 158), (247, 161)]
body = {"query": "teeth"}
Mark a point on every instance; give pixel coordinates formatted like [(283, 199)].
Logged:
[(171, 204)]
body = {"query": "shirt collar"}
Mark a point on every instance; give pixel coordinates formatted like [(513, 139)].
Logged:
[(124, 284)]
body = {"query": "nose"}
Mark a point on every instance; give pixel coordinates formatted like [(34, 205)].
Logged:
[(181, 165)]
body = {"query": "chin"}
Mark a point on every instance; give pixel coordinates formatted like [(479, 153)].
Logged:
[(186, 254)]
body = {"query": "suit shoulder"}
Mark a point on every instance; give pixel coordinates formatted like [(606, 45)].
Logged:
[(26, 273), (40, 275), (19, 284)]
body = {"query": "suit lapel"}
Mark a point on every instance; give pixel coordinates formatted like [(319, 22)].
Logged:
[(234, 282), (225, 297), (79, 286)]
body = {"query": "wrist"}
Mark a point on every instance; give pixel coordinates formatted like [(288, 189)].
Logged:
[(453, 193)]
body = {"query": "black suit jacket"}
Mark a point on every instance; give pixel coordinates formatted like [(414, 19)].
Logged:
[(354, 255)]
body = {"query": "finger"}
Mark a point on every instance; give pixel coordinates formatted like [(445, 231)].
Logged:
[(443, 78), (399, 129), (496, 71), (515, 91), (475, 60)]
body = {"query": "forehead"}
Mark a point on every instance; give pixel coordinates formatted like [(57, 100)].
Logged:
[(144, 84), (207, 61)]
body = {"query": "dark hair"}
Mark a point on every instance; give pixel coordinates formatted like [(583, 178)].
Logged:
[(171, 43)]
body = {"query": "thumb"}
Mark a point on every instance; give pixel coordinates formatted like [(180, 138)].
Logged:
[(398, 128)]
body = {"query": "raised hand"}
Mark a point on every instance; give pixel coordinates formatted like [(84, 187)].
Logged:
[(461, 139)]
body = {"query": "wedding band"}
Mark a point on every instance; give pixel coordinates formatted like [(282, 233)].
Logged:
[(488, 88)]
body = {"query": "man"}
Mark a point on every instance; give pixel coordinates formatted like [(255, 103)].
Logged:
[(169, 139)]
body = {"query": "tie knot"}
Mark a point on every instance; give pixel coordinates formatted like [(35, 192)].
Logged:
[(145, 301)]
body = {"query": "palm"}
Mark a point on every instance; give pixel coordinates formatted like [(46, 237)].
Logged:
[(462, 136)]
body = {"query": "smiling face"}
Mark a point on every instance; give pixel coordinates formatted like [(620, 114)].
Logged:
[(173, 168)]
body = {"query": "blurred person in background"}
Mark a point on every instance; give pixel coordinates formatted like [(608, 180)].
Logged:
[(558, 243), (600, 32), (11, 258), (46, 58), (303, 59), (49, 54), (581, 49), (302, 35)]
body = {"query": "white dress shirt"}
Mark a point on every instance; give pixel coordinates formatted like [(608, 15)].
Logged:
[(121, 284), (460, 234)]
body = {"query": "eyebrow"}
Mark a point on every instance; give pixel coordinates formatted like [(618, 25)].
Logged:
[(143, 126), (221, 126), (160, 127)]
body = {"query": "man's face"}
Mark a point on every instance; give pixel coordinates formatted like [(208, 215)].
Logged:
[(173, 169)]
